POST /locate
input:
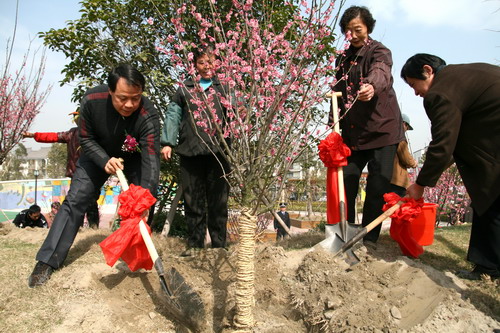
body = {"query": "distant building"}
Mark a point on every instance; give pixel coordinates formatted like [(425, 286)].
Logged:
[(37, 159)]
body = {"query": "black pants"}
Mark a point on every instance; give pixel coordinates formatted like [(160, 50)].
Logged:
[(205, 198), (93, 214), (399, 190), (86, 182), (380, 165), (484, 245), (281, 234)]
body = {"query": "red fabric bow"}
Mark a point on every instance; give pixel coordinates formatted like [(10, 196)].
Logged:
[(333, 152), (127, 242), (407, 212), (400, 225)]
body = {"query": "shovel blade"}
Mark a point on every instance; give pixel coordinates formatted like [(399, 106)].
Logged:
[(334, 241)]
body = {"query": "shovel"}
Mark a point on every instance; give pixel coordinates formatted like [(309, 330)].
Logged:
[(342, 229), (184, 304), (339, 245)]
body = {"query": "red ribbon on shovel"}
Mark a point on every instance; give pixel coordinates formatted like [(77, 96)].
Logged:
[(400, 225), (127, 242), (333, 152)]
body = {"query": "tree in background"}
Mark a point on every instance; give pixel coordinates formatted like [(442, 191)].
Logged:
[(11, 169), (110, 32), (21, 97), (449, 194), (58, 154), (276, 77)]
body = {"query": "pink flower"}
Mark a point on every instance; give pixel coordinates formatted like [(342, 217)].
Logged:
[(130, 145)]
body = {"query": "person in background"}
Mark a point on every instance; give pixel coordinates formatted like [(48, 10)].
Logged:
[(202, 166), (54, 208), (31, 217), (117, 124), (463, 104), (72, 141), (285, 217), (402, 161), (371, 121)]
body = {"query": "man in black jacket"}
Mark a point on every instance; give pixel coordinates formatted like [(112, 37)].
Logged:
[(117, 122), (31, 217), (280, 231)]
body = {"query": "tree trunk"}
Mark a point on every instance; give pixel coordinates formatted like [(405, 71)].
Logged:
[(308, 193), (245, 275)]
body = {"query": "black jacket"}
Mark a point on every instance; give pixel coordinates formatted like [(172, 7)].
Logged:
[(463, 105), (285, 217), (23, 220), (103, 131)]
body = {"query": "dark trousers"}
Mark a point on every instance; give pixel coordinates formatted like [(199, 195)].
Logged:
[(205, 198), (399, 190), (281, 234), (484, 245), (380, 165), (93, 214), (86, 182)]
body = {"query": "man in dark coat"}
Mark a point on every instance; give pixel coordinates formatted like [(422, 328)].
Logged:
[(117, 122), (463, 105), (285, 217), (31, 217)]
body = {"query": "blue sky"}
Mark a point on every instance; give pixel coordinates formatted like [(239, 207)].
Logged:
[(459, 31)]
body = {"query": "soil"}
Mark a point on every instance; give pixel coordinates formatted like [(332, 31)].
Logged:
[(297, 289)]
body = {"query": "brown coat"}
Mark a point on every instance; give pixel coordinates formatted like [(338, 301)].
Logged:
[(376, 123), (463, 105), (402, 161)]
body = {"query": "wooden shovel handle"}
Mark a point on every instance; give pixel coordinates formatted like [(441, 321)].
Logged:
[(340, 172), (383, 216)]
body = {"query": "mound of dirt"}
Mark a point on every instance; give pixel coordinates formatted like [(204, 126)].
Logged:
[(295, 291)]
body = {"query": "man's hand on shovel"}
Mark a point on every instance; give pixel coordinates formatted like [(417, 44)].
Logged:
[(114, 164)]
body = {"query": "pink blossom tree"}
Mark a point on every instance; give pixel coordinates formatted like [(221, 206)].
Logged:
[(21, 98), (450, 195), (276, 78)]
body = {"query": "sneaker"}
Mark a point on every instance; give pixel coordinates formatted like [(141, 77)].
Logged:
[(40, 275)]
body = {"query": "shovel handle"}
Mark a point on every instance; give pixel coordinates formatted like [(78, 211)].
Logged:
[(340, 171), (144, 232), (122, 179), (383, 216)]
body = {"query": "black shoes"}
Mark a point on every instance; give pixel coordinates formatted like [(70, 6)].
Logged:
[(40, 275), (478, 273), (191, 252)]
